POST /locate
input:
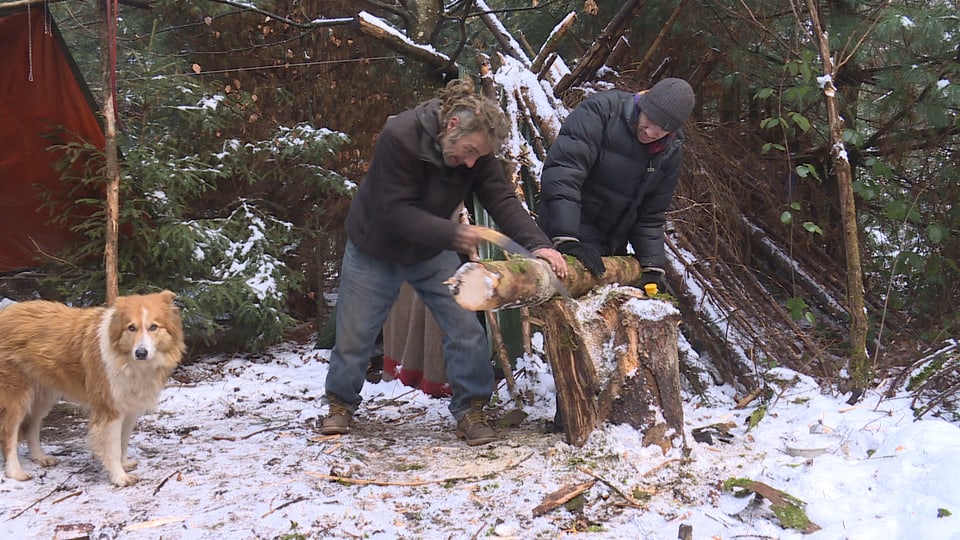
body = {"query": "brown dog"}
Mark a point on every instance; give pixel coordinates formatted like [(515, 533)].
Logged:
[(113, 360)]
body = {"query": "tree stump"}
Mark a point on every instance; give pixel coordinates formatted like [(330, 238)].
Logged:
[(614, 358), (612, 349)]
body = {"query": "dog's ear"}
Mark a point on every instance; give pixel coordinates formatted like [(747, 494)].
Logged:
[(168, 296)]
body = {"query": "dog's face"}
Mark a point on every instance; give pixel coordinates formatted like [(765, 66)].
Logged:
[(143, 325)]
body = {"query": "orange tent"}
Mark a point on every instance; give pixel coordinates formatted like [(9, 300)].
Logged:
[(43, 101)]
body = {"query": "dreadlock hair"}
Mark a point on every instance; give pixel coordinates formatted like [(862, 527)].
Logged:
[(476, 113)]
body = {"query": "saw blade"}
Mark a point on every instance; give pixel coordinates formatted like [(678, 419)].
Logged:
[(503, 242)]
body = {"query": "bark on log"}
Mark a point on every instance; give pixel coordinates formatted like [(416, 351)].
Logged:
[(620, 51), (492, 285), (613, 353), (615, 360)]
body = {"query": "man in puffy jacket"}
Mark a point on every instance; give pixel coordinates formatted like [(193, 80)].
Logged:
[(425, 162), (611, 174)]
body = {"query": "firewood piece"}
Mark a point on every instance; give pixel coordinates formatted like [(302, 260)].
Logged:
[(562, 496), (616, 362), (492, 285)]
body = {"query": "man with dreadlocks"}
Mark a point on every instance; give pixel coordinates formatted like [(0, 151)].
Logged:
[(425, 162)]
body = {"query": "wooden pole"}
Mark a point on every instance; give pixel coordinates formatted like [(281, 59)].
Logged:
[(856, 304), (108, 72), (553, 40)]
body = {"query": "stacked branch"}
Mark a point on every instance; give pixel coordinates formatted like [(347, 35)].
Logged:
[(601, 48)]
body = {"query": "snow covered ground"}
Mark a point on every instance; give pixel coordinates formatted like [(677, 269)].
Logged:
[(232, 451)]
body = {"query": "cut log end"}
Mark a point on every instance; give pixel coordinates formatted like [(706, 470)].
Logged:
[(494, 285), (474, 286)]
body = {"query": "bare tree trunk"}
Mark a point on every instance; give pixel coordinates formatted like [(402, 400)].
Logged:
[(859, 360), (108, 71)]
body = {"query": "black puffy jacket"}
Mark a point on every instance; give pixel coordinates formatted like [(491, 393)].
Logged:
[(601, 185)]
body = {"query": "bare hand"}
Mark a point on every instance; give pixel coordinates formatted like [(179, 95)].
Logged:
[(556, 260), (466, 239)]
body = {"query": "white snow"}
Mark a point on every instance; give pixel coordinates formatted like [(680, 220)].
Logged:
[(232, 452)]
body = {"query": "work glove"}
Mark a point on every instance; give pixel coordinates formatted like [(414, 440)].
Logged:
[(652, 274), (588, 255)]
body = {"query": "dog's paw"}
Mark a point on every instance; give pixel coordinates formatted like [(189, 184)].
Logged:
[(45, 460), (124, 480), (130, 464), (19, 475)]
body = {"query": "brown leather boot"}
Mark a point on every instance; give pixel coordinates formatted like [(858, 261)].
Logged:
[(474, 427), (339, 417)]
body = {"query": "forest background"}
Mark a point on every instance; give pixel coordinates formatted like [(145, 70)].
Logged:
[(245, 127)]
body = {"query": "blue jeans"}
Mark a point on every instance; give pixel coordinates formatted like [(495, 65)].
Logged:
[(368, 289)]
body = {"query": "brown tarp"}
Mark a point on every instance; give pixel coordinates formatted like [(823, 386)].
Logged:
[(31, 112)]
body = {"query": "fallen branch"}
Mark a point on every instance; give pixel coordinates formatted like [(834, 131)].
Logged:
[(667, 462), (150, 524), (787, 508), (65, 497)]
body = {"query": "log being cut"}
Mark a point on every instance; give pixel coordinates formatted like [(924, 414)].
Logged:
[(522, 282)]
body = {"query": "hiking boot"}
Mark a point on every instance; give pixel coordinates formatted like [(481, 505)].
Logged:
[(474, 428), (339, 417)]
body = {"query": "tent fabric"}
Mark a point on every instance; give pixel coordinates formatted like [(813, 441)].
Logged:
[(54, 102)]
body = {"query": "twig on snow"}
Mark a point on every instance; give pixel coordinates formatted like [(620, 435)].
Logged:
[(284, 505), (41, 499), (630, 500), (667, 462), (164, 481), (65, 497), (248, 435)]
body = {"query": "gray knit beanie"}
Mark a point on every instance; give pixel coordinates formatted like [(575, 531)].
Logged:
[(668, 103)]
